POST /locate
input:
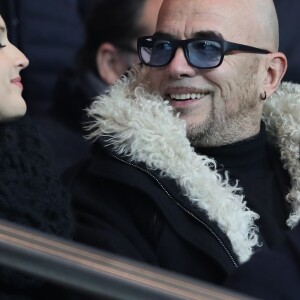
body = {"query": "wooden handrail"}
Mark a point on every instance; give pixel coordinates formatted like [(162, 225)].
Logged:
[(97, 272)]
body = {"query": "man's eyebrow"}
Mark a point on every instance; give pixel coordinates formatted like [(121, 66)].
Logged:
[(207, 34)]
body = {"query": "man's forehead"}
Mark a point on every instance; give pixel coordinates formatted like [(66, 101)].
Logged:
[(149, 16), (185, 18), (208, 34), (197, 6)]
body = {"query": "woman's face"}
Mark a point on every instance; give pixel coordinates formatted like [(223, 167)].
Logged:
[(12, 61)]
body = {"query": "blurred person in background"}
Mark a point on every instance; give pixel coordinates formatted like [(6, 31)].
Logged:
[(112, 28)]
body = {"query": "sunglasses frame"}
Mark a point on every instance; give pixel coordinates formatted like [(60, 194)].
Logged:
[(225, 47)]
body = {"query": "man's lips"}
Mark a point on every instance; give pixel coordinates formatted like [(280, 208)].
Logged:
[(187, 96), (17, 81)]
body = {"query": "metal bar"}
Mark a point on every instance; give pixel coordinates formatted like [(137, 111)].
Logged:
[(97, 272)]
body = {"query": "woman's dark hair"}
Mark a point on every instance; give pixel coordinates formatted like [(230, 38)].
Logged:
[(113, 21)]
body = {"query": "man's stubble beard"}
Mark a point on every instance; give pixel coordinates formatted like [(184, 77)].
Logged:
[(231, 126), (221, 129)]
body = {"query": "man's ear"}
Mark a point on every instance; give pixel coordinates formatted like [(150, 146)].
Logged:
[(276, 68), (107, 60)]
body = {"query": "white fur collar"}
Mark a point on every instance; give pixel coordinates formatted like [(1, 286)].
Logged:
[(282, 117), (142, 126)]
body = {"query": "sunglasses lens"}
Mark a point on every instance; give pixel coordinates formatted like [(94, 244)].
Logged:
[(156, 52), (204, 53)]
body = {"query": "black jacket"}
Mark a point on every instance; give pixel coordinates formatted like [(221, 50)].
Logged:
[(272, 274), (127, 209), (31, 195)]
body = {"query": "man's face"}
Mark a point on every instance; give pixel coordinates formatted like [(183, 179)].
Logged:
[(219, 105)]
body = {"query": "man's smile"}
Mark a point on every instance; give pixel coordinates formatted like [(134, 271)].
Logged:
[(187, 96)]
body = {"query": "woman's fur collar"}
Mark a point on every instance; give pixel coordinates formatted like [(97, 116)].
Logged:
[(142, 126)]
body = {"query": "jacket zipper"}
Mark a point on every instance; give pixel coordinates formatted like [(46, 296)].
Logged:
[(183, 208)]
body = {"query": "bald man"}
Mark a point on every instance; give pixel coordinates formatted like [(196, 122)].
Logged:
[(189, 149)]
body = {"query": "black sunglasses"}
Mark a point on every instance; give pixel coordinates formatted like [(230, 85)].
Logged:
[(199, 53)]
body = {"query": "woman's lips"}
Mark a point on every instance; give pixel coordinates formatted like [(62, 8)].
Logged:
[(17, 81)]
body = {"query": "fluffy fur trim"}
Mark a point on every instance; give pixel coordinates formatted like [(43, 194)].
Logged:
[(282, 117), (142, 126)]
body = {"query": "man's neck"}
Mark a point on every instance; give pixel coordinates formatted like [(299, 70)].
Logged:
[(232, 133)]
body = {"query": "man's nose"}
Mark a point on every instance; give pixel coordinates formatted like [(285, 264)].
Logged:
[(179, 66)]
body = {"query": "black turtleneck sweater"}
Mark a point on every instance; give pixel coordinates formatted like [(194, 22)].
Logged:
[(256, 164)]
